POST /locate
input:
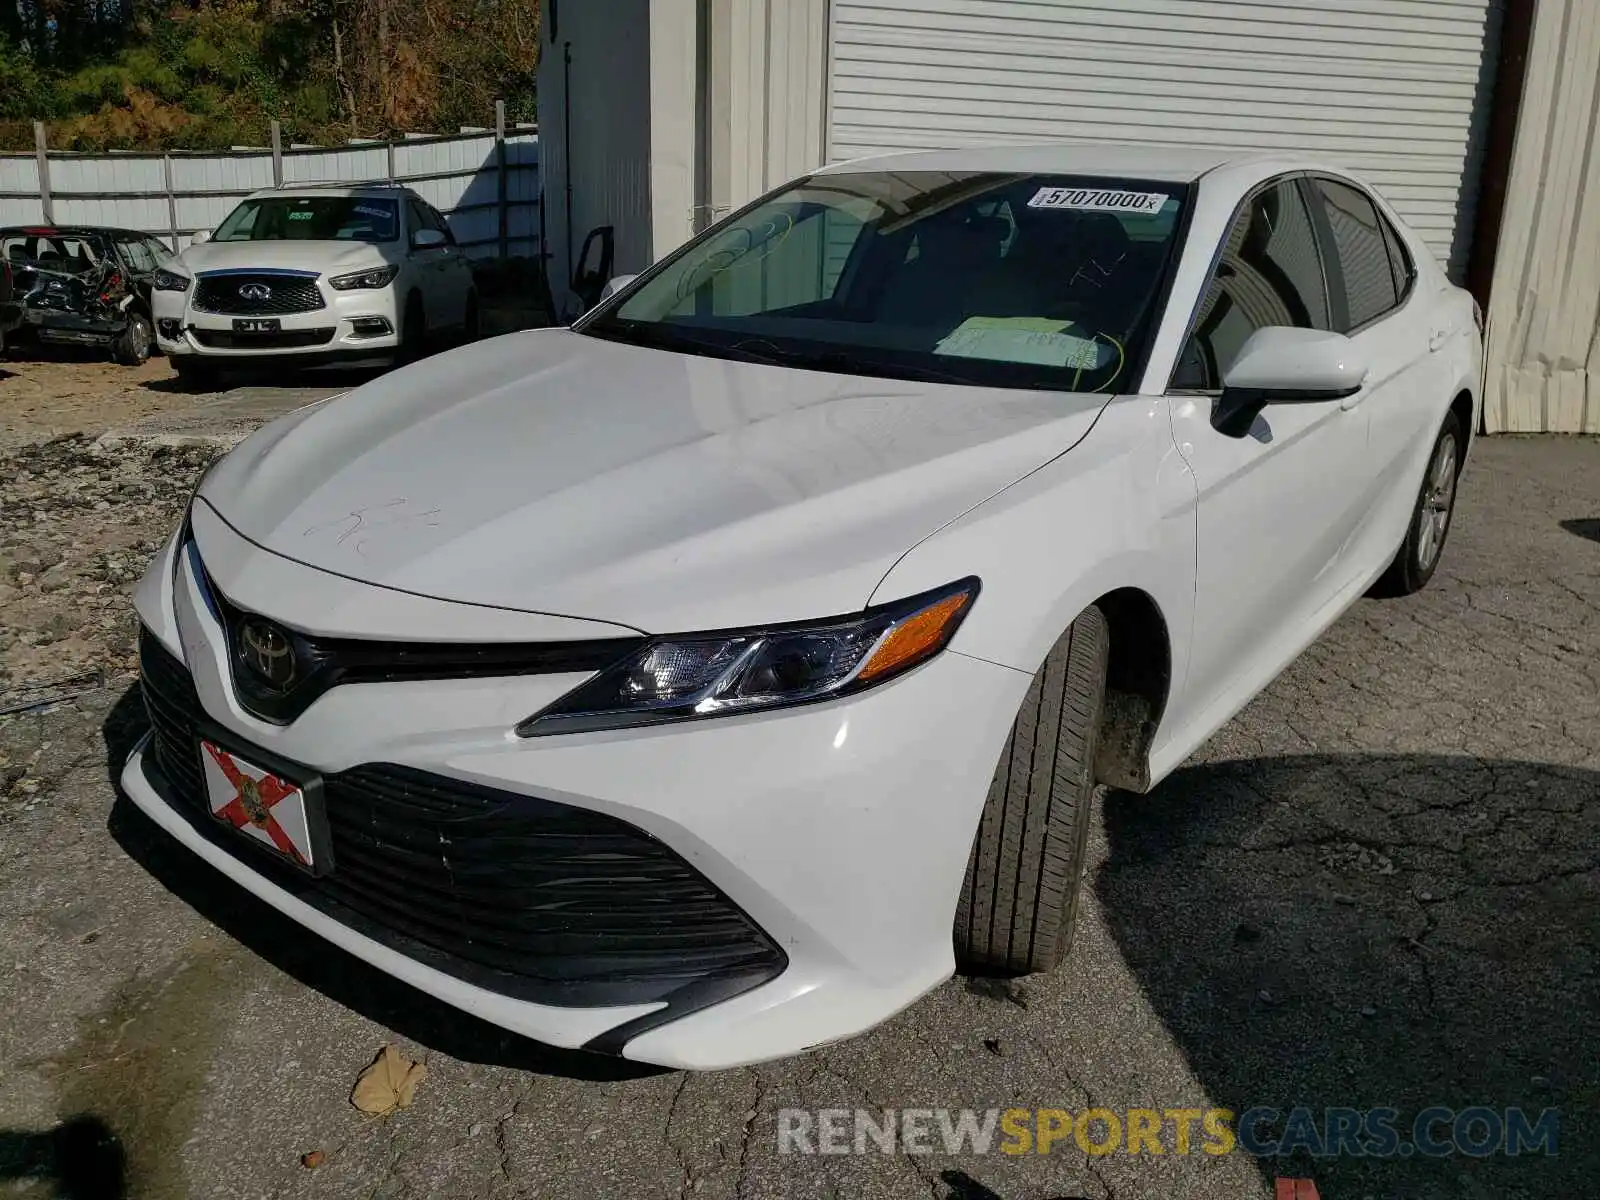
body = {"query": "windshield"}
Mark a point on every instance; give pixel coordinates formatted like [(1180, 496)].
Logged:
[(311, 219), (69, 253), (1042, 281)]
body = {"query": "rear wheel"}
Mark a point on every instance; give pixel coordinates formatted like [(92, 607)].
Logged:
[(134, 344), (1419, 553), (1020, 897)]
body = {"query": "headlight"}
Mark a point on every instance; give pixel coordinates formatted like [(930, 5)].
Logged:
[(170, 281), (687, 676), (377, 277)]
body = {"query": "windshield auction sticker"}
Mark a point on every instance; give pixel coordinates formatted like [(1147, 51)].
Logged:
[(1099, 200)]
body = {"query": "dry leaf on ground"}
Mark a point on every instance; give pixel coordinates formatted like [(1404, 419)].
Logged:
[(389, 1083)]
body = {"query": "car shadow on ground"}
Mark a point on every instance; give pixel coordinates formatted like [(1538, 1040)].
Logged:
[(80, 1157), (336, 974), (1584, 527), (284, 377), (1375, 931)]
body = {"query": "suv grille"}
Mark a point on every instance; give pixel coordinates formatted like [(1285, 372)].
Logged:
[(528, 897), (284, 294)]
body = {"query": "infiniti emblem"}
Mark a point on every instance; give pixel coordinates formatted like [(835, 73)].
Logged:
[(269, 653), (255, 291)]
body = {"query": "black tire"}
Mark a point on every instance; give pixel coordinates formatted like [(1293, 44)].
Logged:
[(134, 344), (413, 332), (1020, 897), (471, 320), (196, 374), (1418, 557)]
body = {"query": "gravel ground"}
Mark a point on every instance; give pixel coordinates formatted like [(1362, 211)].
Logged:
[(1379, 885)]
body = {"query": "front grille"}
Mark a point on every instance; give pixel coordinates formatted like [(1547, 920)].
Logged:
[(285, 294), (531, 898), (219, 339), (324, 662)]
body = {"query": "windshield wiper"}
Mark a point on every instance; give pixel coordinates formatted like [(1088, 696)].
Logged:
[(844, 362), (640, 333)]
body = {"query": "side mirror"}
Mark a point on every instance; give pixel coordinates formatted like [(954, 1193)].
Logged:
[(198, 236), (615, 284), (1281, 365), (427, 239)]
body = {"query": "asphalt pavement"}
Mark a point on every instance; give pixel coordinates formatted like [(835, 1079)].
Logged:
[(1378, 887)]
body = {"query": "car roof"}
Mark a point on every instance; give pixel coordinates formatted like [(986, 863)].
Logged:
[(1145, 160), (375, 189), (67, 230)]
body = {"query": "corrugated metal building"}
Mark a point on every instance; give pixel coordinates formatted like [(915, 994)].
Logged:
[(686, 109)]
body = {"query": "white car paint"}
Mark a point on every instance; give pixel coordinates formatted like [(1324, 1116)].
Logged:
[(440, 275), (552, 486)]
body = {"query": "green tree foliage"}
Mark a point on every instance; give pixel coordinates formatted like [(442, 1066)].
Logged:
[(208, 74)]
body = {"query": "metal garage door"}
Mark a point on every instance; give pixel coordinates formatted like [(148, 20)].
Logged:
[(1395, 89)]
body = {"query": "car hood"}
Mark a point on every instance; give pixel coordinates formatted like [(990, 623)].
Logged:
[(321, 257), (553, 472)]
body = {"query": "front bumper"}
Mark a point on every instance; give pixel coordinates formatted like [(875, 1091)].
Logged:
[(333, 331), (841, 830)]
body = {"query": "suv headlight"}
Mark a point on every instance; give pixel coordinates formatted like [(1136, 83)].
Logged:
[(376, 277), (170, 281), (696, 675)]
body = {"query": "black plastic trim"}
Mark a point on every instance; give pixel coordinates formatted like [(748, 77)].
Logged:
[(335, 661)]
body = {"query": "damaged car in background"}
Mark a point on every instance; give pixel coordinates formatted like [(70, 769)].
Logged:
[(81, 286)]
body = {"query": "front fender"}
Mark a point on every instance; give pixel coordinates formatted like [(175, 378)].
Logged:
[(1117, 511)]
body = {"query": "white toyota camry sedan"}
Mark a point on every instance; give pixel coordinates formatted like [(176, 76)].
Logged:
[(711, 679)]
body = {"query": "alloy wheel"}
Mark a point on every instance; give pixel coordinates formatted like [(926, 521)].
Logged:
[(1433, 515)]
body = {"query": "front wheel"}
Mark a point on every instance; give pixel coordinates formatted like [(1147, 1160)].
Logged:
[(1418, 556), (413, 332), (1019, 900)]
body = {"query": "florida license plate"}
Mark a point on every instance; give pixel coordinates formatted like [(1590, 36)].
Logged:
[(272, 811)]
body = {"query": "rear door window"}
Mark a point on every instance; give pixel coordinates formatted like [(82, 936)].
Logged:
[(1361, 274)]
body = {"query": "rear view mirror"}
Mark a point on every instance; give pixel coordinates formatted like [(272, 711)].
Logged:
[(427, 239), (198, 236), (615, 284), (1282, 365)]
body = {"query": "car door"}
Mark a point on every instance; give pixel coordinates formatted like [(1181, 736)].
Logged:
[(1374, 300), (430, 265), (450, 278), (459, 265), (1276, 505)]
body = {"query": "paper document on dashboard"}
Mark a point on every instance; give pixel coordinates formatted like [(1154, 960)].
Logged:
[(1022, 340)]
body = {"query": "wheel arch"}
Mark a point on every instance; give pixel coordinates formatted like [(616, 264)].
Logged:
[(1138, 685), (1465, 408)]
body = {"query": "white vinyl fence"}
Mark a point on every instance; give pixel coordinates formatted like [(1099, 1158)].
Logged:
[(486, 184)]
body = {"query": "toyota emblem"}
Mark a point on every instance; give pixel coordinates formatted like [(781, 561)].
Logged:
[(255, 291), (269, 653)]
